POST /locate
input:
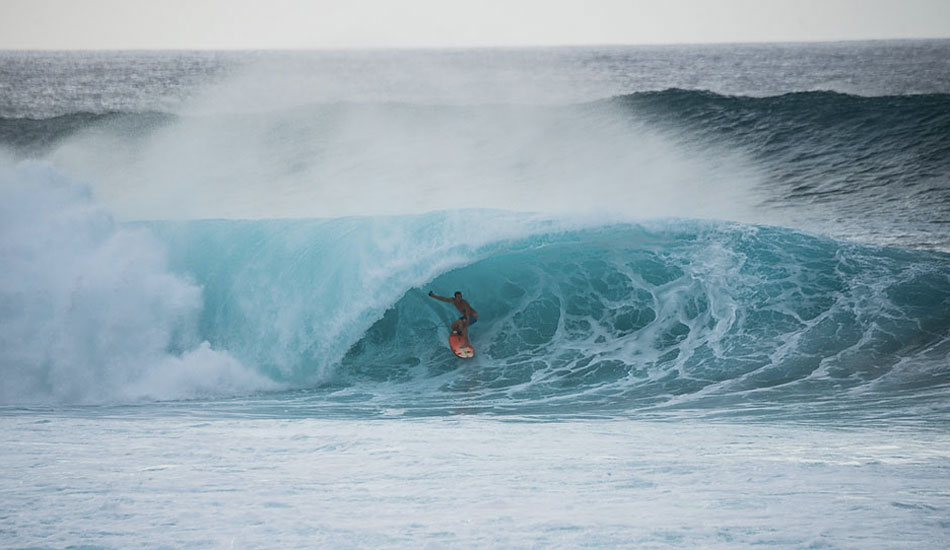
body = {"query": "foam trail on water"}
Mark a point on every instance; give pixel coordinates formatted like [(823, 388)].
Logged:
[(89, 311)]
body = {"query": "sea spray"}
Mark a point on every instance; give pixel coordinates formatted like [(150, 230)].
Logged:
[(350, 159), (90, 311)]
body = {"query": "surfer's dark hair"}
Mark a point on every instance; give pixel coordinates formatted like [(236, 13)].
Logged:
[(458, 293)]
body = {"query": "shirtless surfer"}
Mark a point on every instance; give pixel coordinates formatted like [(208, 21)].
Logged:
[(469, 315)]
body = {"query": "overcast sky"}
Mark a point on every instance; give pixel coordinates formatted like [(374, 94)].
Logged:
[(260, 24)]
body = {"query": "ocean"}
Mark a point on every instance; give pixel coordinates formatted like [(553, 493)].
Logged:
[(713, 287)]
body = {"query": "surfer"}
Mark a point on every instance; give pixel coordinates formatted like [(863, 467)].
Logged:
[(469, 315)]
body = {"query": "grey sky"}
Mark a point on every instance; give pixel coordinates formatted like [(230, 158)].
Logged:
[(258, 24)]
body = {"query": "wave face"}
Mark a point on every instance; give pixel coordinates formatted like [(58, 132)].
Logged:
[(621, 317), (576, 317)]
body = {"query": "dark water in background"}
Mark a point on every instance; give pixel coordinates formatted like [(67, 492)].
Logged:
[(48, 84)]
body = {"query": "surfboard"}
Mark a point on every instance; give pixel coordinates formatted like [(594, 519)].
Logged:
[(461, 347)]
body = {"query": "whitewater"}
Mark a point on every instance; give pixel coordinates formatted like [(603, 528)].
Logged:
[(713, 286)]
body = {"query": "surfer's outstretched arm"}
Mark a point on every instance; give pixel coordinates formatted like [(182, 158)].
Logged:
[(437, 297)]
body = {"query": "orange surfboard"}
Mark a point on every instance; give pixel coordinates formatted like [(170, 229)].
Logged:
[(461, 347)]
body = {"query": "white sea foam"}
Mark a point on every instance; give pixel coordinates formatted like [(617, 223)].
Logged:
[(89, 311)]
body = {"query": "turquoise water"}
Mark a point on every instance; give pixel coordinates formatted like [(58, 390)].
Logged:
[(616, 318)]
